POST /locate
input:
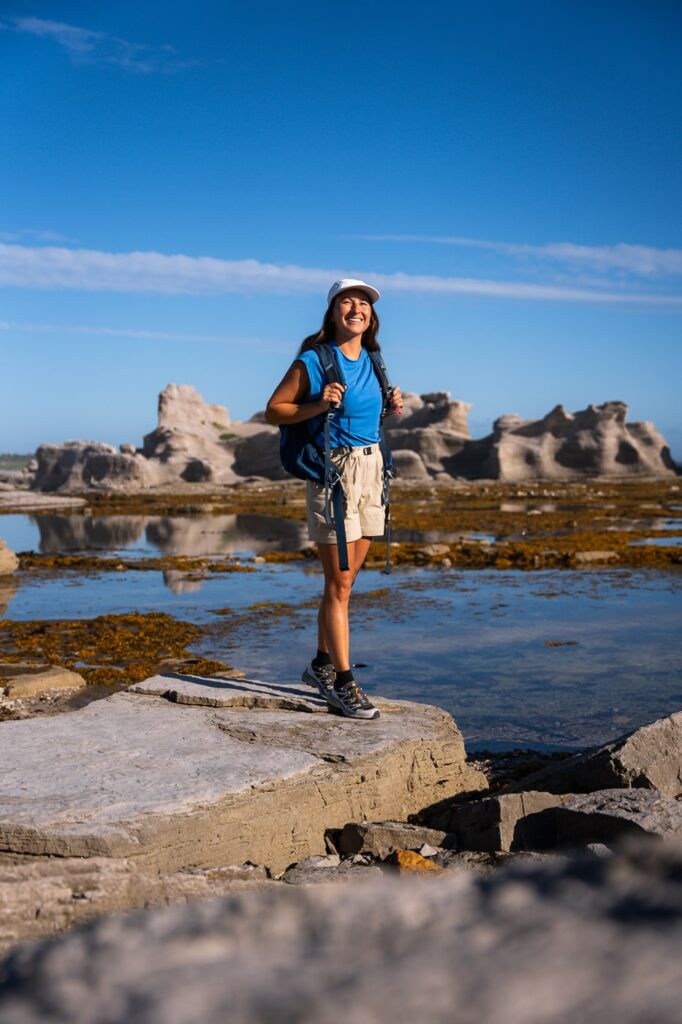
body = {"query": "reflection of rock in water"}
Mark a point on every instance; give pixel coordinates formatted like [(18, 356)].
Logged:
[(185, 535), (85, 533), (8, 588), (177, 535), (183, 582), (213, 535), (264, 532)]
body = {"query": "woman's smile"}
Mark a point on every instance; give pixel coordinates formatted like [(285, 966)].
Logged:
[(352, 312)]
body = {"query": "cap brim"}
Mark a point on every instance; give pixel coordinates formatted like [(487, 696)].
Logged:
[(372, 292)]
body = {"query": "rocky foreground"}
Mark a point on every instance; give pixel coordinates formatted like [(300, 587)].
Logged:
[(184, 773), (561, 943), (186, 787), (116, 802), (196, 443)]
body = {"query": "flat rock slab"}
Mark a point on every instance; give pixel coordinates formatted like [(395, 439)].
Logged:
[(217, 692), (556, 943), (174, 787)]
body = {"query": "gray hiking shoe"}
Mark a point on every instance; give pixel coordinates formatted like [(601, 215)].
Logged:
[(322, 678), (352, 702)]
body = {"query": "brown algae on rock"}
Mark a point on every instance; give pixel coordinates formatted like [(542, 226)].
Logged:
[(93, 563), (111, 650)]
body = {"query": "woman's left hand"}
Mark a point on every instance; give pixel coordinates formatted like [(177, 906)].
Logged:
[(396, 402)]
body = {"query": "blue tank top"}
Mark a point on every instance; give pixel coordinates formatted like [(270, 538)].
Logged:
[(357, 423)]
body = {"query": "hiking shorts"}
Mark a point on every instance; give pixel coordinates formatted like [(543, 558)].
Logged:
[(362, 479)]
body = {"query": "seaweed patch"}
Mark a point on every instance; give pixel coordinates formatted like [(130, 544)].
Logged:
[(110, 650)]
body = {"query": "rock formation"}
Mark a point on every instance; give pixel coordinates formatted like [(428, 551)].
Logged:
[(189, 442), (432, 428), (196, 443), (79, 465), (193, 443), (564, 445)]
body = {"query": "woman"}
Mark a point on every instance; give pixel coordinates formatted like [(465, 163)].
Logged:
[(350, 326)]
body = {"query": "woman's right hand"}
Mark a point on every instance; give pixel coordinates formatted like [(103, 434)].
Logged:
[(332, 394)]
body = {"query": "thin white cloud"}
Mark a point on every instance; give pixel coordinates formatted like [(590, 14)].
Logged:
[(133, 333), (90, 270), (86, 46), (41, 236), (641, 260)]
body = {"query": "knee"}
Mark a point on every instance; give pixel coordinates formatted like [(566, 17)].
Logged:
[(339, 588)]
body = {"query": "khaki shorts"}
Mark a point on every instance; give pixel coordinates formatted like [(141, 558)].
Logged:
[(362, 471)]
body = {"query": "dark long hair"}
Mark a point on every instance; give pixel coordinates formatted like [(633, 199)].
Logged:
[(327, 333)]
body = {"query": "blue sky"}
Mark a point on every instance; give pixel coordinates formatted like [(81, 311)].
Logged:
[(181, 182)]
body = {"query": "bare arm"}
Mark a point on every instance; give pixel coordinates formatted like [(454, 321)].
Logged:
[(287, 403)]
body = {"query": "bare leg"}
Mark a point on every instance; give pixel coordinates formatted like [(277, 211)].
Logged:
[(333, 630)]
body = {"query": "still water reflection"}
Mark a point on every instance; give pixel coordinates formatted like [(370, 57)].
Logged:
[(145, 536)]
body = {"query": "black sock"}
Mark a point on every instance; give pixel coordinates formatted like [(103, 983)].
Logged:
[(321, 658), (343, 679)]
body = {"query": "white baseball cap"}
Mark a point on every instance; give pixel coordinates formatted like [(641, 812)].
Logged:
[(348, 282)]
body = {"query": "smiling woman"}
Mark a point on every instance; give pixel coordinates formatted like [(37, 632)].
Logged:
[(350, 327)]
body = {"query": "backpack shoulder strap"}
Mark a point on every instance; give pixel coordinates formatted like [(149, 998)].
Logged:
[(330, 367), (384, 383)]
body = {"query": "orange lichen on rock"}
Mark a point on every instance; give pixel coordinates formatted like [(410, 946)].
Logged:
[(410, 862)]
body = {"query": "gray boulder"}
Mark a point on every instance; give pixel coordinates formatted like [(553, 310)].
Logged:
[(593, 939), (649, 757), (379, 839), (612, 815), (499, 823)]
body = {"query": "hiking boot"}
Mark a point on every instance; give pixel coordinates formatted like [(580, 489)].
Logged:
[(352, 702), (321, 677)]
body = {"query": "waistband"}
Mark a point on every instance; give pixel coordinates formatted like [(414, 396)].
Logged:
[(367, 449)]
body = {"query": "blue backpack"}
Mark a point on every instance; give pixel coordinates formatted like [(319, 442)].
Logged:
[(301, 456)]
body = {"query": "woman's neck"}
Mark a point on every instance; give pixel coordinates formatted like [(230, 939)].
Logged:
[(352, 349)]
